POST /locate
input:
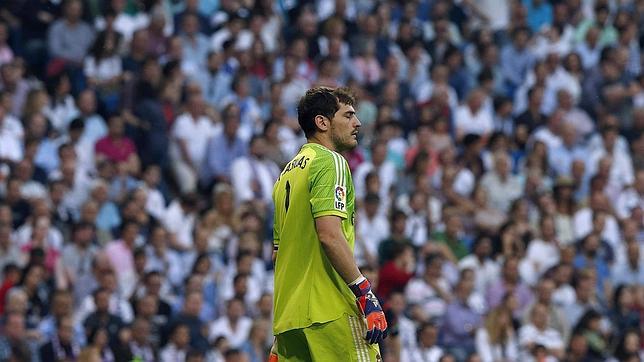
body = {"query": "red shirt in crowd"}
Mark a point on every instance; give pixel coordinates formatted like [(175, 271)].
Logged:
[(392, 278), (115, 149)]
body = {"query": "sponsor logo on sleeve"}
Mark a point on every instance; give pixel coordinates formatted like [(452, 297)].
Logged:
[(340, 200)]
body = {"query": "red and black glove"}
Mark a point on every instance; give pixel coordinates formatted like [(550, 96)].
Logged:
[(370, 307)]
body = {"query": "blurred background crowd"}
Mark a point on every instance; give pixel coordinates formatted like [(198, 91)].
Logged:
[(499, 178)]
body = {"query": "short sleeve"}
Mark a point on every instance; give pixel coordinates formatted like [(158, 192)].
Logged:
[(328, 185)]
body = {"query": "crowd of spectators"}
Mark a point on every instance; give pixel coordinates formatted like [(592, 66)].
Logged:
[(499, 178)]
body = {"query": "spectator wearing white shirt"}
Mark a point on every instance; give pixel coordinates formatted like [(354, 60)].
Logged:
[(549, 133), (190, 133), (560, 158), (178, 346), (253, 176), (10, 123), (385, 169), (590, 50), (235, 326), (431, 291), (631, 272), (564, 293), (620, 172), (537, 333), (427, 349), (179, 221), (631, 197), (372, 227), (583, 219), (10, 147), (496, 340), (472, 117), (502, 187), (118, 305), (542, 253), (155, 202), (486, 270)]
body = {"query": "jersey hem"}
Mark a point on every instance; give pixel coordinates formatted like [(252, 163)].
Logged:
[(330, 212), (286, 329)]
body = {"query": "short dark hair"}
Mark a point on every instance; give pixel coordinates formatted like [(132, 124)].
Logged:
[(323, 101)]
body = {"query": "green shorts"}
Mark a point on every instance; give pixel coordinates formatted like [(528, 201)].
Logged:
[(338, 340)]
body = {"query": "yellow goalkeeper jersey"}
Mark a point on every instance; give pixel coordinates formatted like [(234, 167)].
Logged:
[(308, 290)]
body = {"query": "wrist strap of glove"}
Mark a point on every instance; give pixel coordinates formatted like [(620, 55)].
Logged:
[(360, 286)]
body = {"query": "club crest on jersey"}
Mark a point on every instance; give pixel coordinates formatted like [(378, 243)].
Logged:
[(340, 198)]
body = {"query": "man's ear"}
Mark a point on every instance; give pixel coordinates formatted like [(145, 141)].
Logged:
[(322, 123)]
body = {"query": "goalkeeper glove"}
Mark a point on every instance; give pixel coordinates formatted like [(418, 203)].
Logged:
[(370, 307)]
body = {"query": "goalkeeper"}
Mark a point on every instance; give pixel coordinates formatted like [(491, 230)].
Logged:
[(324, 307)]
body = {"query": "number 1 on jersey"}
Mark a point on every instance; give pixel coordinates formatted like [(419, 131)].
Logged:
[(288, 195)]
